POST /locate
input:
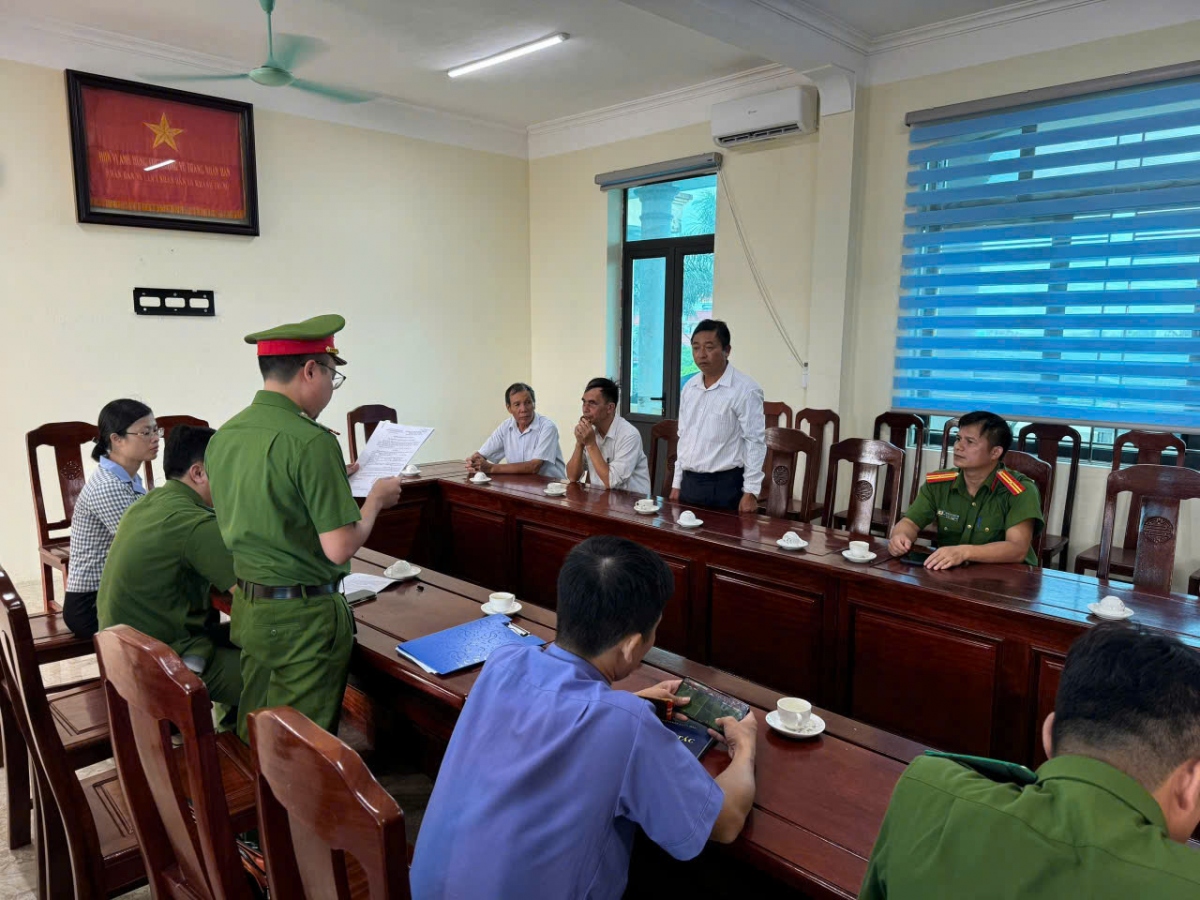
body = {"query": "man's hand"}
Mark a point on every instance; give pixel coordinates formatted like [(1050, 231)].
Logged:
[(674, 498), (948, 557), (585, 433), (739, 737), (748, 504), (351, 469), (899, 544), (664, 691), (385, 493), (473, 462)]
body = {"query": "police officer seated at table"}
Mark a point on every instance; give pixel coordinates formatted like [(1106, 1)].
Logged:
[(984, 512), (167, 555), (550, 771), (1107, 816), (527, 442)]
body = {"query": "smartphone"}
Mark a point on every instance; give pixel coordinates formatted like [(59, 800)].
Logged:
[(357, 597), (708, 705), (916, 557)]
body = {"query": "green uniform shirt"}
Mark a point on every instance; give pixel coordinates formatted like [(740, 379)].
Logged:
[(982, 519), (1083, 830), (166, 555), (278, 482)]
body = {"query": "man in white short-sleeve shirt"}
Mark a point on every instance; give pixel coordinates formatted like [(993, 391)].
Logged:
[(527, 442), (607, 446), (722, 429)]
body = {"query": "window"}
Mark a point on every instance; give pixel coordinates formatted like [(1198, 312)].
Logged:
[(667, 286), (1052, 269)]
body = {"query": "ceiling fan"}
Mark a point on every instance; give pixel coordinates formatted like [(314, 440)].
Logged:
[(283, 55)]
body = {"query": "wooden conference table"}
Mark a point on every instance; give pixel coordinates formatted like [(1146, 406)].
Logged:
[(819, 802), (966, 659)]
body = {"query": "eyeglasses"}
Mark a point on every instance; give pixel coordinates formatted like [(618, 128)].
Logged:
[(338, 378), (147, 434)]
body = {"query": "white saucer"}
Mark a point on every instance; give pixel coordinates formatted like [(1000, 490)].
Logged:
[(488, 610), (814, 726), (800, 546), (474, 480), (413, 474), (862, 559), (1094, 608), (550, 493), (416, 570), (695, 524), (647, 512)]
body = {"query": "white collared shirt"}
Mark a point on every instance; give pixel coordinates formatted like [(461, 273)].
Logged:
[(538, 441), (622, 450), (722, 427)]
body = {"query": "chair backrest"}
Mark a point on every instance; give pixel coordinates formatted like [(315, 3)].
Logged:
[(180, 817), (950, 428), (66, 438), (818, 420), (167, 424), (784, 445), (1156, 491), (69, 811), (368, 417), (341, 811), (1149, 446), (1049, 436), (898, 426), (1041, 473), (774, 411), (665, 430), (867, 457)]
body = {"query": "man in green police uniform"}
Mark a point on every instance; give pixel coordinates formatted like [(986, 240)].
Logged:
[(1107, 816), (985, 512), (286, 512), (165, 558)]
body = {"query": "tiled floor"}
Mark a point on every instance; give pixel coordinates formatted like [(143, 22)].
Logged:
[(18, 876)]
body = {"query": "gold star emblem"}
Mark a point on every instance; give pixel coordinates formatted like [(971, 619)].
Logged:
[(164, 133)]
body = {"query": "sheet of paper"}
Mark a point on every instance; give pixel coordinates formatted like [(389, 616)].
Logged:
[(389, 450), (360, 581)]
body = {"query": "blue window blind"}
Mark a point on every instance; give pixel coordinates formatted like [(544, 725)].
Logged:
[(1052, 262)]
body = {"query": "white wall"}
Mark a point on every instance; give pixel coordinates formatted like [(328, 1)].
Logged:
[(424, 248)]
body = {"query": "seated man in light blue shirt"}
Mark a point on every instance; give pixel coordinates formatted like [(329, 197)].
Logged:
[(550, 771), (528, 443)]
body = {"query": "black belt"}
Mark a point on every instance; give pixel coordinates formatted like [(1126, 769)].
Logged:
[(267, 592)]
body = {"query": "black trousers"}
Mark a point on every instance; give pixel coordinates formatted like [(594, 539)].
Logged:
[(716, 490), (79, 613)]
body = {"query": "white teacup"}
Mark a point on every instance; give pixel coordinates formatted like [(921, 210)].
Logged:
[(479, 476), (502, 601), (860, 549), (410, 469), (687, 517), (793, 712), (645, 504), (399, 569), (556, 487), (1112, 606), (791, 538)]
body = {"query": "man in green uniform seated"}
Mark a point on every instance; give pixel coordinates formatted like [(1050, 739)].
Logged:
[(984, 512), (1107, 816), (165, 559), (286, 513)]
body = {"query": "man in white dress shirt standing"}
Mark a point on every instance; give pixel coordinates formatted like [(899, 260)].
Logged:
[(527, 442), (722, 429), (607, 446)]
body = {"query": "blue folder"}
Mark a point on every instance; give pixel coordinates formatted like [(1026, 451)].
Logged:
[(465, 645)]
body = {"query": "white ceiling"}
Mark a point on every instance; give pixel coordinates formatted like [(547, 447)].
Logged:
[(879, 18)]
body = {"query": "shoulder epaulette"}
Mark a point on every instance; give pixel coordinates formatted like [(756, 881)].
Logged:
[(308, 418), (1010, 481), (993, 769), (944, 475)]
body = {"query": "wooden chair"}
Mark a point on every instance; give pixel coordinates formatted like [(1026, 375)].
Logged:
[(167, 423), (867, 458), (784, 445), (369, 418), (1194, 583), (1154, 508), (54, 540), (313, 837), (951, 427), (176, 797), (666, 430), (818, 420), (83, 824), (1041, 473), (898, 426), (1150, 446), (1049, 437), (775, 411)]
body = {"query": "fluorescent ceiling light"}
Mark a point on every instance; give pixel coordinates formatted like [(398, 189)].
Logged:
[(508, 54), (165, 162)]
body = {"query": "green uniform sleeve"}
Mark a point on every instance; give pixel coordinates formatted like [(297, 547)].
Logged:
[(922, 511), (1025, 505), (208, 555), (324, 487)]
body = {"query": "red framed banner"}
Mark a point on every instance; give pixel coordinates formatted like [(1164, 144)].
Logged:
[(154, 157)]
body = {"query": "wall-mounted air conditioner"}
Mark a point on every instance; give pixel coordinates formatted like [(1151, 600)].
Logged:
[(764, 117)]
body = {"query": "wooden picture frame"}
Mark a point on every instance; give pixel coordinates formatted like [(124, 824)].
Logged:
[(134, 166)]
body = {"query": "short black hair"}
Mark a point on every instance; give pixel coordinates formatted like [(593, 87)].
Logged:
[(609, 389), (518, 387), (608, 589), (716, 325), (115, 417), (284, 368), (185, 445), (1131, 697), (993, 429)]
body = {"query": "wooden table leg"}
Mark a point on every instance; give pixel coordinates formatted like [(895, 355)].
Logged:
[(16, 766)]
